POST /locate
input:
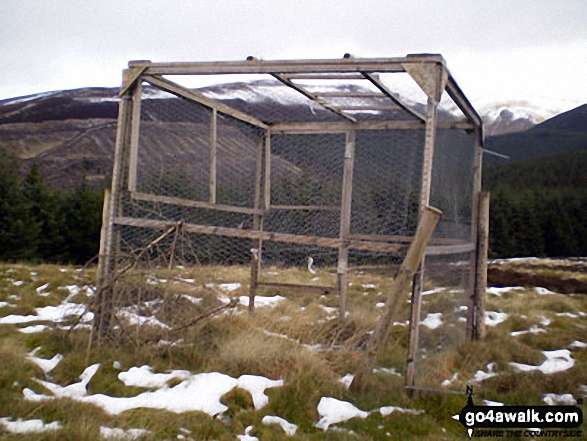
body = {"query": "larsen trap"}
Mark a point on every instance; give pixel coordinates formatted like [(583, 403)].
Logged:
[(308, 163)]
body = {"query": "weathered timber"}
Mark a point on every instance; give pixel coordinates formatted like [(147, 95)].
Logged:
[(396, 294), (481, 268), (316, 289), (264, 235), (190, 203)]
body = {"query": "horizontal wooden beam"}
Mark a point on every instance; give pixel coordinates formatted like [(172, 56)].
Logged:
[(443, 250), (313, 97), (459, 98), (374, 95), (184, 92), (367, 107), (324, 76), (191, 203), (321, 127), (306, 207), (406, 239), (317, 289), (255, 66), (379, 85), (261, 235)]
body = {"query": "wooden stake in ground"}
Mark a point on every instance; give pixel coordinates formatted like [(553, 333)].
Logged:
[(396, 293)]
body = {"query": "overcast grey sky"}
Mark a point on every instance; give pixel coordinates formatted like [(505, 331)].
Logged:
[(496, 49)]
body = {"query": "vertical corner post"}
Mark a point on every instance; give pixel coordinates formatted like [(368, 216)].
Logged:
[(480, 291), (434, 93), (134, 136), (472, 313), (112, 208), (345, 220)]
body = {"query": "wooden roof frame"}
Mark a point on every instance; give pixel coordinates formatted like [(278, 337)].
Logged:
[(287, 70)]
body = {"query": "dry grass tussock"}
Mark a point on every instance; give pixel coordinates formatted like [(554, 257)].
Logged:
[(299, 339)]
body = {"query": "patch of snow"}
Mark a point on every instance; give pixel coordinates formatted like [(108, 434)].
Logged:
[(533, 330), (50, 313), (368, 285), (380, 305), (120, 434), (545, 321), (17, 282), (450, 381), (388, 410), (181, 279), (247, 436), (261, 301), (134, 319), (33, 329), (40, 290), (432, 320), (492, 403), (388, 371), (554, 399), (556, 361), (229, 287), (289, 428), (329, 310), (144, 377), (76, 390), (46, 365), (567, 314), (499, 291), (433, 291), (542, 291), (192, 299), (347, 380), (117, 365), (200, 392), (481, 376), (333, 411), (578, 344), (493, 318), (256, 386), (5, 304), (28, 426)]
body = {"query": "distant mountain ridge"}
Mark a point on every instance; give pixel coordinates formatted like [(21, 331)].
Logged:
[(562, 133), (70, 134)]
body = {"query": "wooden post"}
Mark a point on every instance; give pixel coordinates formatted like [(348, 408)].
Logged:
[(104, 233), (112, 209), (395, 296), (414, 326), (134, 137), (213, 148), (477, 185), (416, 299), (345, 220), (481, 267), (261, 197)]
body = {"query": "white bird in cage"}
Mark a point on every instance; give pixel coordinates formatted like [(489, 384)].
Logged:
[(311, 265), (255, 253)]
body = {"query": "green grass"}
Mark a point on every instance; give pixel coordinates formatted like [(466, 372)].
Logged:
[(298, 341)]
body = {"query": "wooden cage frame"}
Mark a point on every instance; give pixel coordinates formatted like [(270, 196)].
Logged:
[(428, 70)]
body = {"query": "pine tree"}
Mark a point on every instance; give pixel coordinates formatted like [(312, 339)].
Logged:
[(45, 211), (18, 231)]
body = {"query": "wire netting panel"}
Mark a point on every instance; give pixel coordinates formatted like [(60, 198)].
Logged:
[(386, 182), (174, 147), (452, 183), (443, 318)]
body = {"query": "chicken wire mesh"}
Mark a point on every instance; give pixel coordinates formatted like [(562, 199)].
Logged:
[(203, 181)]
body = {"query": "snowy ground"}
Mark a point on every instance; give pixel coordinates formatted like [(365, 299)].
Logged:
[(182, 391)]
